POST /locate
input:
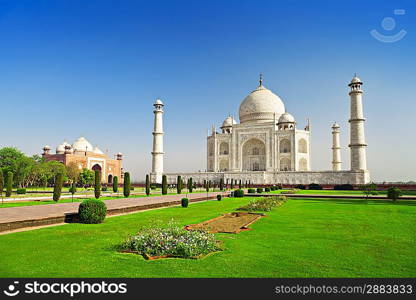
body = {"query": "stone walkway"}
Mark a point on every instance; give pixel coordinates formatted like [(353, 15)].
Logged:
[(13, 218)]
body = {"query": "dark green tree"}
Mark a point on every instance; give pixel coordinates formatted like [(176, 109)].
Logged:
[(164, 185), (126, 185), (240, 184), (394, 193), (179, 185), (1, 185), (73, 190), (115, 184), (97, 184), (147, 185), (57, 189), (232, 184), (9, 184), (221, 184), (190, 185)]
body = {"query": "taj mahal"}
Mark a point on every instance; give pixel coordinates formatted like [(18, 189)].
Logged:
[(267, 147)]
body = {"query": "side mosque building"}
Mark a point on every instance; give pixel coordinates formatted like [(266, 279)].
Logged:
[(85, 156), (267, 147)]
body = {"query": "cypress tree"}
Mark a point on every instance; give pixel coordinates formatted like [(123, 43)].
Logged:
[(190, 185), (9, 184), (232, 184), (126, 185), (115, 184), (73, 190), (1, 185), (97, 184), (147, 185), (164, 185), (240, 184), (221, 184), (57, 189), (179, 185)]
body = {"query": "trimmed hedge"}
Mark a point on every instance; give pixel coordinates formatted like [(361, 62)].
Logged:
[(126, 185), (259, 190), (21, 191), (239, 193), (219, 197), (267, 189), (301, 186), (184, 202), (344, 187), (92, 211), (57, 189), (251, 191), (115, 184), (315, 186)]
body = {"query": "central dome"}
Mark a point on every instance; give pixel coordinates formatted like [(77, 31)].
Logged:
[(260, 106)]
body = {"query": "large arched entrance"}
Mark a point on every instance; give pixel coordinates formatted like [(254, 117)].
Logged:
[(254, 155), (96, 167)]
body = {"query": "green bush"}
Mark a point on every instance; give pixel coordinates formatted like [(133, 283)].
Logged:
[(301, 186), (104, 189), (263, 204), (115, 184), (184, 202), (92, 211), (190, 185), (126, 185), (259, 190), (21, 191), (267, 189), (219, 197), (57, 189), (147, 185), (315, 186), (97, 184), (239, 193), (179, 185), (251, 191), (394, 193), (132, 188), (164, 185)]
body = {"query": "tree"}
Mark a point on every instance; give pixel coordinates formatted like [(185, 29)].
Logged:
[(126, 185), (232, 184), (240, 185), (208, 185), (86, 177), (164, 185), (179, 185), (147, 185), (97, 184), (394, 193), (57, 189), (190, 185), (1, 185), (9, 184), (72, 171), (115, 184), (369, 189), (73, 190), (221, 184)]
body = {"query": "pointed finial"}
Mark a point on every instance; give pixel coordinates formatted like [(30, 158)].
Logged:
[(261, 79), (355, 74)]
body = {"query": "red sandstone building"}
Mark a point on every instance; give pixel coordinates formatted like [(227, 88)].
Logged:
[(84, 155)]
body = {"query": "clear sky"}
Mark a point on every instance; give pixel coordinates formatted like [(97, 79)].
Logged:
[(95, 67)]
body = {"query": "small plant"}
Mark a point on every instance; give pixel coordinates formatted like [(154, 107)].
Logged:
[(394, 193), (315, 186), (267, 189), (21, 191), (126, 185), (185, 202), (57, 189), (73, 190), (104, 189), (259, 190), (92, 211), (239, 193), (264, 204), (131, 188), (251, 191), (219, 197), (369, 189)]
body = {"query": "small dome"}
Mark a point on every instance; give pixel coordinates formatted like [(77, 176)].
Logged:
[(286, 118), (159, 102), (229, 122), (46, 147), (82, 144), (260, 106), (336, 125), (61, 148), (97, 151), (355, 79)]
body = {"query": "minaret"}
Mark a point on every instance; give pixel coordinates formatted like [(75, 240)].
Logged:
[(157, 153), (336, 148), (357, 138)]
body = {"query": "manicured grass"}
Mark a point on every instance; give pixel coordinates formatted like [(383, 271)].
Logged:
[(302, 238), (335, 192)]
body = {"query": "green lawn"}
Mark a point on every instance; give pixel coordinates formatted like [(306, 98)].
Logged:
[(335, 192), (302, 238)]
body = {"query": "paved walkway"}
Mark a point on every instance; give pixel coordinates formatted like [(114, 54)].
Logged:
[(28, 216)]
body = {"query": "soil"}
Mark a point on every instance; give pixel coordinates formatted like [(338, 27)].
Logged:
[(229, 223)]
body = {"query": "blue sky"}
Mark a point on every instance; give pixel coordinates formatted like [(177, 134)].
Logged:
[(94, 68)]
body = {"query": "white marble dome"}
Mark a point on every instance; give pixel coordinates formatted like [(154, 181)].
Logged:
[(61, 147), (355, 79), (286, 118), (82, 144), (97, 150), (228, 122), (260, 106)]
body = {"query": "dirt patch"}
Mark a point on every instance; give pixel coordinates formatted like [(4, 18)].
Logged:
[(229, 223)]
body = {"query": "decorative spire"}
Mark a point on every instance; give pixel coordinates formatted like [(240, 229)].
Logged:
[(261, 80)]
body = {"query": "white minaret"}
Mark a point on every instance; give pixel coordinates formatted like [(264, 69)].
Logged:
[(157, 153), (336, 148), (357, 139)]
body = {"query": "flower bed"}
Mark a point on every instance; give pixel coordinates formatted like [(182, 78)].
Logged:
[(264, 204), (171, 241)]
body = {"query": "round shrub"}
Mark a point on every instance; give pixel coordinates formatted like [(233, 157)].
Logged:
[(315, 186), (92, 211), (259, 190), (267, 189), (394, 193), (184, 202), (219, 197), (239, 193), (251, 191), (301, 186), (21, 191), (104, 189)]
